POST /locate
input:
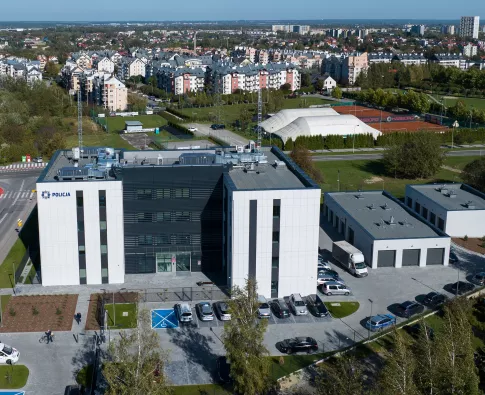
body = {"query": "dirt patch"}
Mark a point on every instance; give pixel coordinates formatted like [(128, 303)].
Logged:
[(373, 180), (37, 313), (471, 244), (96, 302)]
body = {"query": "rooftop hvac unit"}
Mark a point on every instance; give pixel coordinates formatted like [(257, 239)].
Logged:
[(76, 153), (385, 207), (470, 205), (239, 149)]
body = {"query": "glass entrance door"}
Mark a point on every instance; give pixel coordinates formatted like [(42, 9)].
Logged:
[(183, 262), (164, 262)]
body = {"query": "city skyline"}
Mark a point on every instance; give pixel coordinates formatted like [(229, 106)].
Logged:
[(212, 10)]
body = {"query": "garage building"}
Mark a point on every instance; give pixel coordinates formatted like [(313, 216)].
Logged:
[(387, 232), (456, 209), (133, 126)]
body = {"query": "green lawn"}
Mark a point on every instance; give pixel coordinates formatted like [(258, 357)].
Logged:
[(120, 321), (450, 101), (100, 139), (342, 309), (230, 113), (371, 175), (85, 375), (459, 162), (14, 256), (13, 376), (117, 124), (292, 363)]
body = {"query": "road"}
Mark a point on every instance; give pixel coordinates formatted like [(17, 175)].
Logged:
[(226, 135), (16, 202), (361, 156)]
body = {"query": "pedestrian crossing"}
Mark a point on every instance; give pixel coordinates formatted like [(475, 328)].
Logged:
[(22, 166), (18, 195)]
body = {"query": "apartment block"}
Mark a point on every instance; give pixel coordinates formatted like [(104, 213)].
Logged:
[(469, 26)]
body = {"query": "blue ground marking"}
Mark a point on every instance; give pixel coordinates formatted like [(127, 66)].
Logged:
[(164, 318), (12, 393)]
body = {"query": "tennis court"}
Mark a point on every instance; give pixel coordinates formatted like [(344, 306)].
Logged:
[(414, 126), (360, 111)]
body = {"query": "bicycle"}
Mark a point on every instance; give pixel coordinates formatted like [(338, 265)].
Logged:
[(43, 338)]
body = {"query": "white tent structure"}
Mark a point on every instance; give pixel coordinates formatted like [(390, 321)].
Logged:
[(334, 124), (285, 117)]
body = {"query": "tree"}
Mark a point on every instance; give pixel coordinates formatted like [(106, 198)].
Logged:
[(337, 93), (306, 80), (243, 340), (458, 373), (136, 102), (474, 173), (136, 362), (51, 70), (397, 377), (285, 87), (302, 157), (341, 375), (418, 155), (427, 364), (245, 117)]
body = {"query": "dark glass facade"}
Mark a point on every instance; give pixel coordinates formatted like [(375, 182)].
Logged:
[(173, 218)]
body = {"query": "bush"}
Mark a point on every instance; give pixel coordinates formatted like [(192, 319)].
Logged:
[(12, 312), (34, 310), (465, 238), (58, 311), (180, 127)]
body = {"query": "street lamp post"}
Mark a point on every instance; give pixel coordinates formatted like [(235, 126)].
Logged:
[(455, 125)]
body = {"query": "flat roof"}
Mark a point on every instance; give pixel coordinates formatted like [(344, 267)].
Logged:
[(382, 216), (133, 123), (452, 197), (265, 176)]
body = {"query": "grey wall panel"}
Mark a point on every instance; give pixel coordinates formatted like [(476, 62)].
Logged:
[(411, 257), (253, 237), (386, 258)]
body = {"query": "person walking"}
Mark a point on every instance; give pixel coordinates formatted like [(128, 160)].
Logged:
[(77, 317), (49, 336)]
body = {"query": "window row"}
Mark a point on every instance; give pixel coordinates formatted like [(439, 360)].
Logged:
[(163, 216), (166, 239)]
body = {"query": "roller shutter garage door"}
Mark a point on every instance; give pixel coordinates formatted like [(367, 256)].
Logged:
[(411, 257), (386, 258), (435, 256)]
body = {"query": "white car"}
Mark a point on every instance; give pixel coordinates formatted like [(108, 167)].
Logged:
[(184, 312), (38, 159), (324, 265), (192, 129), (8, 355)]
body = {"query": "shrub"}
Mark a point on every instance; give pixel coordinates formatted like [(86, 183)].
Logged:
[(58, 311), (465, 238), (34, 310), (12, 312)]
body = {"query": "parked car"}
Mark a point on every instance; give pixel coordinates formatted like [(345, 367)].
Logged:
[(298, 344), (330, 272), (184, 312), (453, 258), (204, 310), (8, 355), (223, 370), (316, 306), (334, 288), (298, 305), (408, 309), (479, 278), (380, 322), (264, 310), (434, 299), (222, 310), (217, 126), (38, 159), (192, 129), (75, 389), (280, 308), (461, 287), (323, 265), (415, 329), (323, 277)]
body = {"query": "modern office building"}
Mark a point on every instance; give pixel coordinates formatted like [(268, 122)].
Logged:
[(388, 233), (456, 209), (239, 212), (469, 26), (418, 29)]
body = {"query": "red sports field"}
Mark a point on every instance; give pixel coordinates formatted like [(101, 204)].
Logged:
[(360, 111), (413, 126)]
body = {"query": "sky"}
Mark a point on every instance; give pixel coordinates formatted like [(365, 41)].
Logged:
[(163, 10)]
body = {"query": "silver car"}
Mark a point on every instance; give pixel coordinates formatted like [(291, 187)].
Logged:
[(222, 310), (205, 312), (298, 305), (335, 288), (264, 311), (184, 312)]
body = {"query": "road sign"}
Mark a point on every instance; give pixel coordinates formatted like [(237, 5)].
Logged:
[(164, 319)]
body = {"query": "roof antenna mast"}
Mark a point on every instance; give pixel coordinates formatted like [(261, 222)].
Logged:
[(260, 116), (79, 120)]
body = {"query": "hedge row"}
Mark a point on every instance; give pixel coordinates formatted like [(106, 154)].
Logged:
[(169, 117), (330, 141), (178, 113), (180, 127)]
